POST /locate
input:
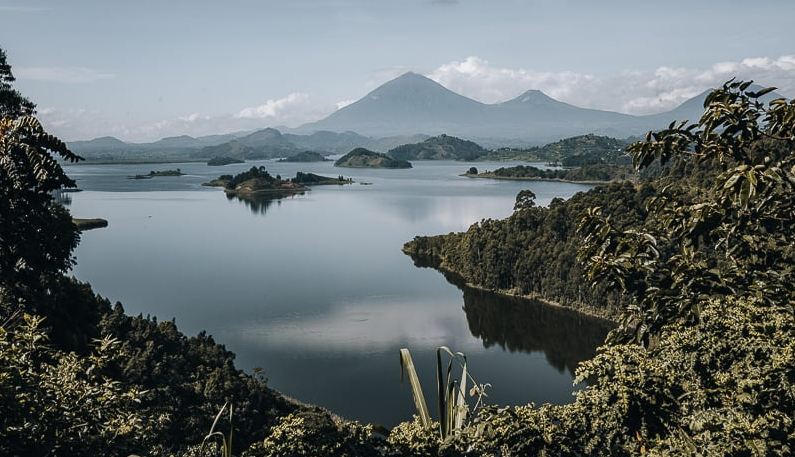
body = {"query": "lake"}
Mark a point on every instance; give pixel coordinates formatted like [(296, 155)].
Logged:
[(314, 288)]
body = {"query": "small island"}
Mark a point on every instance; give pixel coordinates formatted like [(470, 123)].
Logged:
[(364, 158), (153, 174), (258, 183), (587, 174), (305, 156), (223, 160), (88, 224)]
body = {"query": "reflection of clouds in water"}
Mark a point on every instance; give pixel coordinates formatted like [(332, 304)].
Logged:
[(445, 212), (375, 325)]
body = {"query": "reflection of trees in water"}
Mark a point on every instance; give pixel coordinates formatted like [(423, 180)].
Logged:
[(64, 198), (516, 324), (259, 204), (566, 337)]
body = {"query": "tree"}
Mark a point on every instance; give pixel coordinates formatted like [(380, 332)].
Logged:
[(472, 171), (524, 199), (12, 103), (726, 231), (37, 235)]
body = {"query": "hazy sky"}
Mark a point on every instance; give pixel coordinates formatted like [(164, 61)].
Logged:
[(140, 70)]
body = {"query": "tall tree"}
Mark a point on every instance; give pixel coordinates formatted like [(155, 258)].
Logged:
[(12, 103)]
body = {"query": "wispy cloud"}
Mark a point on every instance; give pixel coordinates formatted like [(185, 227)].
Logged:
[(274, 108), (66, 75), (630, 91)]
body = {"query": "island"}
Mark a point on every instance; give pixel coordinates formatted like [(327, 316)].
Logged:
[(586, 174), (88, 224), (258, 183), (365, 158), (442, 147), (305, 156), (153, 174), (223, 160)]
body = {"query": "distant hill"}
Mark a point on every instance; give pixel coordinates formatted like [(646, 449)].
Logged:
[(305, 156), (442, 147), (570, 152), (364, 158), (233, 149), (413, 104)]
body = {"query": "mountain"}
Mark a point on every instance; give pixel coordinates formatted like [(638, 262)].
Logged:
[(442, 147), (413, 104), (406, 105)]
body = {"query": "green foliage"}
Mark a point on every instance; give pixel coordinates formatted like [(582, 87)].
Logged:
[(36, 234), (731, 234), (585, 173), (58, 403), (12, 103), (721, 388), (533, 252), (314, 432)]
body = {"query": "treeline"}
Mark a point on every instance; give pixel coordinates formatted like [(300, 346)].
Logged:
[(534, 251), (570, 152), (585, 173)]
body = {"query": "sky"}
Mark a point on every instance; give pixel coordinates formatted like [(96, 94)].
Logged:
[(144, 70)]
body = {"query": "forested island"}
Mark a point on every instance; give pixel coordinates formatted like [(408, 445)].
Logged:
[(220, 161), (697, 267), (305, 156), (154, 174), (257, 182), (364, 158), (585, 174)]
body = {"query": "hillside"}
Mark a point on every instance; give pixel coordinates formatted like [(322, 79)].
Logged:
[(305, 156), (442, 147), (570, 152), (364, 158)]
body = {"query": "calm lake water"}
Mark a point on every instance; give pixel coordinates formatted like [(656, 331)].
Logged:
[(314, 288)]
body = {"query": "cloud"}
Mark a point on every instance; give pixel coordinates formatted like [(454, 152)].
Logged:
[(66, 75), (274, 108), (630, 91), (343, 103)]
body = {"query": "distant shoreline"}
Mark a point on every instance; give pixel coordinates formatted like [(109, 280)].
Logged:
[(529, 178)]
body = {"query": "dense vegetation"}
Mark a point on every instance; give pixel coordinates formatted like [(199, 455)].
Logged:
[(364, 158), (442, 147), (570, 152), (703, 359), (585, 173), (534, 251), (220, 161), (305, 156)]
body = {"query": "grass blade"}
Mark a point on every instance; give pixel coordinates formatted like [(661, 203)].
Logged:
[(407, 366)]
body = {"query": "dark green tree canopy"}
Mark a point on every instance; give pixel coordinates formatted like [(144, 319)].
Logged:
[(12, 103), (727, 229)]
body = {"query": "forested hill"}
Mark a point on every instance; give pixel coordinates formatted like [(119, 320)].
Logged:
[(442, 147), (534, 251), (570, 152)]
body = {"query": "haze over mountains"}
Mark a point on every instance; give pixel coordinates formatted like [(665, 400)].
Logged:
[(412, 107)]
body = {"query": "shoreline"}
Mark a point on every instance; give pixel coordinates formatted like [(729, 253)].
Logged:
[(584, 310), (528, 178)]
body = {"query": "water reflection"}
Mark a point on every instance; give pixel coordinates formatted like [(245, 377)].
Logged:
[(566, 337), (516, 324), (259, 204)]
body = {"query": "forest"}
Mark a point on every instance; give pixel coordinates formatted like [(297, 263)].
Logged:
[(697, 267), (584, 173)]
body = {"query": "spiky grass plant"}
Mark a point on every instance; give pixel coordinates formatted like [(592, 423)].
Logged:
[(218, 437), (451, 392)]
